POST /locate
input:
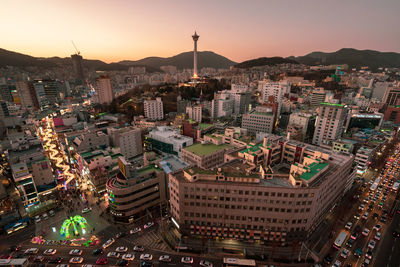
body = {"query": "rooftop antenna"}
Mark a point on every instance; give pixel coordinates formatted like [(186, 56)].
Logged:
[(76, 49)]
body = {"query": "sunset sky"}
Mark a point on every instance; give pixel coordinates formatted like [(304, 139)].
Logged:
[(113, 30)]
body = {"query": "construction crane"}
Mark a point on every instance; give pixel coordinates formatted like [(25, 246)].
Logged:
[(76, 49)]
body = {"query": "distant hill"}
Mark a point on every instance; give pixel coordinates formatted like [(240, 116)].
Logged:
[(10, 58), (353, 58), (185, 61), (264, 61)]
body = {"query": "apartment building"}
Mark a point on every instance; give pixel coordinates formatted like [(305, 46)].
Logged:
[(153, 109), (330, 123)]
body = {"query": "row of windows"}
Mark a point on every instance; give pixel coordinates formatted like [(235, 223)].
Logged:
[(234, 199), (245, 226), (244, 207), (135, 192), (245, 218), (248, 192), (136, 199)]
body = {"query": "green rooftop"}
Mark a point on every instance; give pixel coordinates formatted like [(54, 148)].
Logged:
[(252, 149), (204, 126), (314, 168), (192, 121), (332, 104), (206, 149)]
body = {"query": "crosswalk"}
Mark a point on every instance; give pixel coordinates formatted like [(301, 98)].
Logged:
[(149, 239)]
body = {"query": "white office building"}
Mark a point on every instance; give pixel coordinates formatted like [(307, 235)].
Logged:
[(260, 119)]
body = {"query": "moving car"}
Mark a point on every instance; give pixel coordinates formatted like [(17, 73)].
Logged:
[(76, 260), (365, 232), (135, 230), (138, 248), (37, 218), (31, 251), (128, 257), (121, 249), (102, 261), (378, 236), (348, 225), (108, 243), (50, 251), (365, 215), (148, 225), (187, 260), (377, 227), (205, 263), (344, 253), (371, 244), (337, 263), (75, 252), (165, 258), (146, 257)]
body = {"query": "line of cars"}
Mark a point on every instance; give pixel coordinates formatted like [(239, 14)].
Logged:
[(372, 204)]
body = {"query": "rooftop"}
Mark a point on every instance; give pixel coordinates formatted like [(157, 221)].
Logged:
[(204, 126), (205, 149), (252, 149), (314, 168), (332, 104)]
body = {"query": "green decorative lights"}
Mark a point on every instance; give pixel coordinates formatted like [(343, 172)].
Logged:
[(74, 223)]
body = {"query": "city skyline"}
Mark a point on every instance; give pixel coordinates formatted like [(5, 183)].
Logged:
[(240, 31)]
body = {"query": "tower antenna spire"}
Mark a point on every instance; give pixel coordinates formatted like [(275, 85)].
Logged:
[(195, 38)]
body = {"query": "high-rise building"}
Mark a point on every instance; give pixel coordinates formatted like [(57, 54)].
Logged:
[(241, 96), (330, 123), (194, 112), (27, 94), (104, 89), (153, 109), (40, 93), (317, 96), (273, 89), (128, 139), (78, 68), (222, 105)]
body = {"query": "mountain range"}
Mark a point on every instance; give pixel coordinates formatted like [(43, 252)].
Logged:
[(352, 57)]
